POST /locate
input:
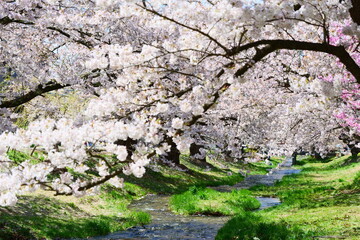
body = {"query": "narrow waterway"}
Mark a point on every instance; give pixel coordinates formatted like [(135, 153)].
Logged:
[(166, 225)]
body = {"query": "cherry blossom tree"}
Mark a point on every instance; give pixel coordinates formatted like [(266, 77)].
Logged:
[(153, 72)]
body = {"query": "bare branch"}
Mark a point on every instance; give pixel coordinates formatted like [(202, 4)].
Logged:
[(186, 26)]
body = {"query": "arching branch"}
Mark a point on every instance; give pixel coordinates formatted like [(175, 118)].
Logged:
[(278, 44), (7, 20), (31, 95)]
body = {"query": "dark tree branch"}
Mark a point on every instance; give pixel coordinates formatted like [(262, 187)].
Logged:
[(260, 54), (355, 11), (92, 184), (7, 20), (273, 45), (102, 180), (59, 31), (31, 95), (80, 41)]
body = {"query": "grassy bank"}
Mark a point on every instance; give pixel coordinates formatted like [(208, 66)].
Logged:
[(171, 181), (207, 201), (321, 202), (41, 215)]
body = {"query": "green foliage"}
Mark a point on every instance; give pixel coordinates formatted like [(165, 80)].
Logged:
[(16, 156), (310, 163), (249, 226), (319, 184), (19, 157), (207, 201)]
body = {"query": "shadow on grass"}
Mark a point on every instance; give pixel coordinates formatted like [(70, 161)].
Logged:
[(41, 206), (37, 227), (14, 227), (177, 182)]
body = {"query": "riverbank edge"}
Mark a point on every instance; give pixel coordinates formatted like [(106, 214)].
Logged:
[(321, 202)]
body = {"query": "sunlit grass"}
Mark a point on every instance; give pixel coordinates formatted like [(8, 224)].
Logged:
[(250, 226), (322, 200), (322, 221), (207, 201)]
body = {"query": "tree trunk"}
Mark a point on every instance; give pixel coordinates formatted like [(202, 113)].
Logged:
[(354, 153), (351, 142), (200, 161), (174, 154), (318, 156), (129, 144), (315, 154), (293, 157), (195, 149)]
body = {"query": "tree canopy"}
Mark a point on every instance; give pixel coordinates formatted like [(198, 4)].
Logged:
[(160, 75)]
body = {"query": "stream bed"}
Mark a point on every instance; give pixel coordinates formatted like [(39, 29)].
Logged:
[(166, 225)]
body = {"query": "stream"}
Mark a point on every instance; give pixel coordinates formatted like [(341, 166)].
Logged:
[(166, 225)]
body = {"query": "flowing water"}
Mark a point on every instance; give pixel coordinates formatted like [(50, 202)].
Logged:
[(166, 225)]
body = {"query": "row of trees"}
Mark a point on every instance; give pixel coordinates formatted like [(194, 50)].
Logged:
[(163, 77)]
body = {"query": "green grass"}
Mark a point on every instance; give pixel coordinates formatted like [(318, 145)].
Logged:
[(13, 227), (322, 200), (319, 184), (250, 226), (170, 181), (42, 216), (207, 201)]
